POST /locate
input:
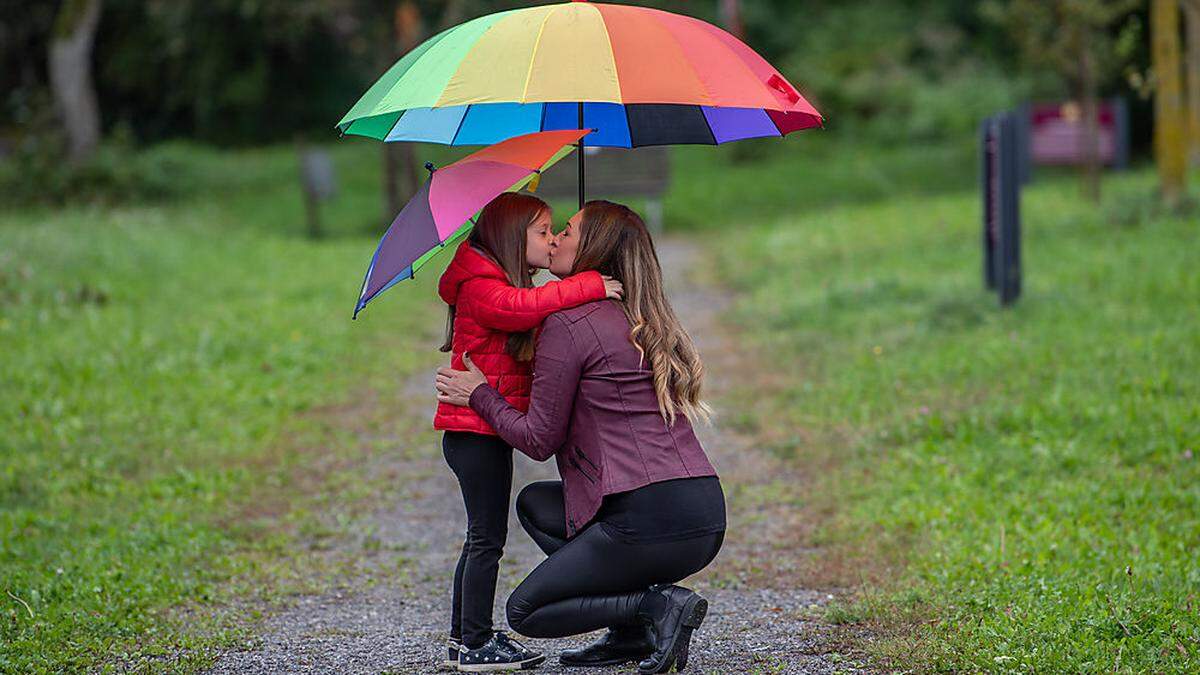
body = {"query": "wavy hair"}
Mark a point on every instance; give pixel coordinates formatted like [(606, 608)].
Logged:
[(615, 241)]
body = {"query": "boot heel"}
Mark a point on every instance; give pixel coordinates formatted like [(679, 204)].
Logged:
[(694, 615), (681, 652), (692, 618)]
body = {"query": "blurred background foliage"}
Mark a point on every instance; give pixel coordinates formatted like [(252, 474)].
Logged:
[(241, 72)]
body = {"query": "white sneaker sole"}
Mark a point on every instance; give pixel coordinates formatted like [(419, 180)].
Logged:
[(495, 667)]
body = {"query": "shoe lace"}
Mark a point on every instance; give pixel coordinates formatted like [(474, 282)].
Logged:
[(504, 639)]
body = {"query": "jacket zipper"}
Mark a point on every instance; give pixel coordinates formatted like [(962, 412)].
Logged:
[(586, 459), (575, 463)]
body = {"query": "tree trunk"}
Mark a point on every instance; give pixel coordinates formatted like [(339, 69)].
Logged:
[(410, 30), (70, 68), (1191, 14), (1091, 124), (731, 18), (1169, 138)]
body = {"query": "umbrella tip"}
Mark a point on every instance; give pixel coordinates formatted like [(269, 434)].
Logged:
[(430, 167)]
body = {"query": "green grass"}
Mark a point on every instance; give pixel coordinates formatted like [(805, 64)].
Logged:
[(1020, 488), (159, 363)]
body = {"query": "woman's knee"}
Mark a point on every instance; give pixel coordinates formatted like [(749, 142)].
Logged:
[(536, 497), (517, 610)]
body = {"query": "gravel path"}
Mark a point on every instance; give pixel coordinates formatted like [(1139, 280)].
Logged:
[(395, 620)]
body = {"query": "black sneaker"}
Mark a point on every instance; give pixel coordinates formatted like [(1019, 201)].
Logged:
[(619, 645), (453, 647), (499, 653), (532, 658), (682, 613)]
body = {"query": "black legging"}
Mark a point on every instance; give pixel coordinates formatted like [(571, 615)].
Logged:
[(594, 580), (483, 465)]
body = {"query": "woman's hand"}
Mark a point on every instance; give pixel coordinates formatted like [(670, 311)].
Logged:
[(455, 386), (612, 288)]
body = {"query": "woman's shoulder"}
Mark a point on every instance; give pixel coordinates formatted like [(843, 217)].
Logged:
[(595, 309)]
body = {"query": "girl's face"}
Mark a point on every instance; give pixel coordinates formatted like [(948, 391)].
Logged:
[(563, 257), (539, 241)]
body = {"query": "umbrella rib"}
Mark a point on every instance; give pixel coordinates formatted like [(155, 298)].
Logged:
[(458, 129), (533, 54)]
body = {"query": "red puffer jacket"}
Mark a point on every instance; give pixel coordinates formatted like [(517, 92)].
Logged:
[(487, 309)]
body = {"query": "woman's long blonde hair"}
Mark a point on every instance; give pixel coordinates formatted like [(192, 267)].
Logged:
[(615, 241)]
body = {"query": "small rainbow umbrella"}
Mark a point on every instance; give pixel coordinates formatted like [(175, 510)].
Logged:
[(438, 214), (636, 75)]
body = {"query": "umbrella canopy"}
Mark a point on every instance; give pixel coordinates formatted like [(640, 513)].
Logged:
[(638, 76), (438, 213)]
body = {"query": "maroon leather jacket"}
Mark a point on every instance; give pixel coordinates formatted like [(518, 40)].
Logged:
[(594, 409)]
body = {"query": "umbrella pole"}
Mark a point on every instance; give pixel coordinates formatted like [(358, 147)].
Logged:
[(581, 178)]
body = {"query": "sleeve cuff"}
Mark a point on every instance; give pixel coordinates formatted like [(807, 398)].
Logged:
[(482, 398), (597, 282)]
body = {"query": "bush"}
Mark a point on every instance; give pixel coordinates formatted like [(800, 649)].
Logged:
[(37, 173)]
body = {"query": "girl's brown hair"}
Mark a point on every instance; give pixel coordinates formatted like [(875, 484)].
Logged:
[(615, 241), (500, 233)]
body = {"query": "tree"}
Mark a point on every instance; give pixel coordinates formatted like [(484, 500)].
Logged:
[(70, 66), (731, 18), (1169, 136), (1191, 15), (1074, 38)]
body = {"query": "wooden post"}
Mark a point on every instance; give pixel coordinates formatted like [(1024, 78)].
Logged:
[(317, 183), (1170, 142)]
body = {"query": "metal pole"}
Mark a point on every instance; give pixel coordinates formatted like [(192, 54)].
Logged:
[(581, 180)]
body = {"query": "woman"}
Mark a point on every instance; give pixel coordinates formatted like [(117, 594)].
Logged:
[(639, 507), (493, 309)]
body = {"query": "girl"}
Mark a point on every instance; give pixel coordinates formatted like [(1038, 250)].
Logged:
[(493, 311)]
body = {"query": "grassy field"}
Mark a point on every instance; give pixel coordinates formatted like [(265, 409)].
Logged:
[(1012, 490), (161, 365)]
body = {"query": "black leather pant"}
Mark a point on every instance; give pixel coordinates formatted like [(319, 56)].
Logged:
[(594, 580), (483, 466)]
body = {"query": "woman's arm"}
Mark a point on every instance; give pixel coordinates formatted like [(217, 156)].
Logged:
[(557, 368), (501, 306)]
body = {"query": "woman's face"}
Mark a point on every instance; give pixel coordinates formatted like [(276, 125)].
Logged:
[(539, 241), (563, 257)]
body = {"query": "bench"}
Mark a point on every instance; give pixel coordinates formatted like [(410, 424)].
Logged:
[(615, 173)]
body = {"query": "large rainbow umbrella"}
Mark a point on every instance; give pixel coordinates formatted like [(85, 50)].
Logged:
[(636, 75), (438, 214)]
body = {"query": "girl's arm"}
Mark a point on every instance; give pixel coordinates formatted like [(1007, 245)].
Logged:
[(500, 306), (557, 367)]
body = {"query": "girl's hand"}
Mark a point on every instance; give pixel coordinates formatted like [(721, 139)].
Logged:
[(455, 386), (612, 288)]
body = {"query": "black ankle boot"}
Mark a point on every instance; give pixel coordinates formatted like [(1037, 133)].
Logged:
[(674, 612), (619, 645)]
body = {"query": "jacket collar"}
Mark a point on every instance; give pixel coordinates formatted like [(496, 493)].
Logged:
[(468, 263)]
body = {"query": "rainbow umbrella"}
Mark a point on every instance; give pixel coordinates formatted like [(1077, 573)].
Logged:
[(438, 214), (636, 75)]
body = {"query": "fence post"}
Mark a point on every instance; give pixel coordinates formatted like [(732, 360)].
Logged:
[(1120, 110), (1000, 182), (1008, 241), (317, 183), (987, 189)]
